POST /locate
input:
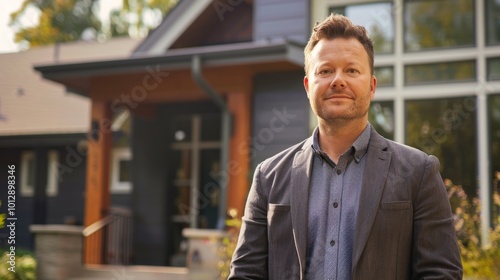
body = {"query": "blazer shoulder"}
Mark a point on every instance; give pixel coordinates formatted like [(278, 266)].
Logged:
[(399, 151), (284, 158)]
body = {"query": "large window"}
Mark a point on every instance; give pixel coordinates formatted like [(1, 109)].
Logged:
[(444, 58), (377, 18), (446, 128), (431, 24)]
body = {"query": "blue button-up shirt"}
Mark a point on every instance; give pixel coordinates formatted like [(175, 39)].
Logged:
[(333, 207)]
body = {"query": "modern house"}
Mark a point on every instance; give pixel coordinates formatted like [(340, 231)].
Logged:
[(214, 89), (43, 133), (217, 87)]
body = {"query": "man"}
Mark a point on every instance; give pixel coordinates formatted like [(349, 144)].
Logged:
[(346, 203)]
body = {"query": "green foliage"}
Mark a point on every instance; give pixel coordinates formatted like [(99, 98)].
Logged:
[(479, 262), (233, 224), (138, 17), (25, 268), (69, 20), (60, 21)]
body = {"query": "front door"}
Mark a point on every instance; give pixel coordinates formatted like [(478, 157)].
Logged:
[(195, 148)]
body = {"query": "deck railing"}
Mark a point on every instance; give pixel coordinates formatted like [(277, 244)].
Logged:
[(114, 235)]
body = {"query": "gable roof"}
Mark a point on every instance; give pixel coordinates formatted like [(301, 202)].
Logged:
[(172, 26), (31, 105)]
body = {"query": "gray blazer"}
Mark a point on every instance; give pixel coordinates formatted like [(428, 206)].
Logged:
[(404, 228)]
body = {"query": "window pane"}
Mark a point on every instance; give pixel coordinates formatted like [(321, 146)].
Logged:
[(181, 131), (433, 24), (446, 128), (181, 166), (494, 117), (493, 68), (209, 188), (461, 71), (385, 76), (492, 22), (381, 117), (123, 173), (31, 172), (377, 18), (211, 127)]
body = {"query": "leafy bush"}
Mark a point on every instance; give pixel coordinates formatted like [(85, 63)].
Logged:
[(479, 262), (233, 224), (25, 266)]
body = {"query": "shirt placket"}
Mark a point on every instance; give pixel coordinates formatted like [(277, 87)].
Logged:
[(333, 222)]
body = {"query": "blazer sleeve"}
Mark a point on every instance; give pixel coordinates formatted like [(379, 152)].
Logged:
[(435, 252), (250, 259)]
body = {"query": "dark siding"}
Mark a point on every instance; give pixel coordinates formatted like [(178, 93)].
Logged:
[(282, 19), (24, 205), (67, 205), (149, 180), (280, 113), (121, 200)]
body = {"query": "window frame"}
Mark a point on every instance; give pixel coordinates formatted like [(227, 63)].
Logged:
[(27, 190), (52, 187), (117, 187)]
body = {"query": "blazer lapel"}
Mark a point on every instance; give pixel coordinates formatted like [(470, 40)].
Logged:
[(375, 175), (299, 200)]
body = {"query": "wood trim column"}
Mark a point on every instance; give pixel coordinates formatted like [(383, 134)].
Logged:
[(239, 164), (97, 196)]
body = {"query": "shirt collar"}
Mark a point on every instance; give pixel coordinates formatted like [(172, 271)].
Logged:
[(360, 146)]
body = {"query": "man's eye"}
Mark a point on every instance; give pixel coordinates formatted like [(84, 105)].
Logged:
[(352, 71), (325, 71)]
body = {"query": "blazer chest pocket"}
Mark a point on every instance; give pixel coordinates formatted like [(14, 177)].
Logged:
[(396, 205), (279, 222), (279, 207)]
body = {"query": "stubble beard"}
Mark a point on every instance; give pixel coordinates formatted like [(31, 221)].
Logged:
[(340, 119)]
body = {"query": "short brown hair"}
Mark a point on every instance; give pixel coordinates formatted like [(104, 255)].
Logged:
[(338, 26)]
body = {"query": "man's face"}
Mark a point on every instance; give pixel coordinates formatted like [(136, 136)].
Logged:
[(339, 82)]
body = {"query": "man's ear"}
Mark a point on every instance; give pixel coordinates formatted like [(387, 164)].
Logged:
[(373, 86), (306, 85)]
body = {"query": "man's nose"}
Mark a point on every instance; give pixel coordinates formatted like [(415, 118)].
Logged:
[(337, 81)]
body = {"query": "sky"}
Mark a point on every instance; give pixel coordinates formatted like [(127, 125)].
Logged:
[(7, 32)]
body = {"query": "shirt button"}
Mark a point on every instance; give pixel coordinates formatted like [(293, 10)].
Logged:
[(339, 171), (332, 243), (335, 204)]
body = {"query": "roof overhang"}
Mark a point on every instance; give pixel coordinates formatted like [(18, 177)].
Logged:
[(76, 76), (41, 140)]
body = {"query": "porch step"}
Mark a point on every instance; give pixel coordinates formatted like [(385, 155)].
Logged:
[(110, 272)]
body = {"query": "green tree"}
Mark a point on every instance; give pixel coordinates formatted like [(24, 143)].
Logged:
[(60, 21), (138, 17), (69, 20)]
